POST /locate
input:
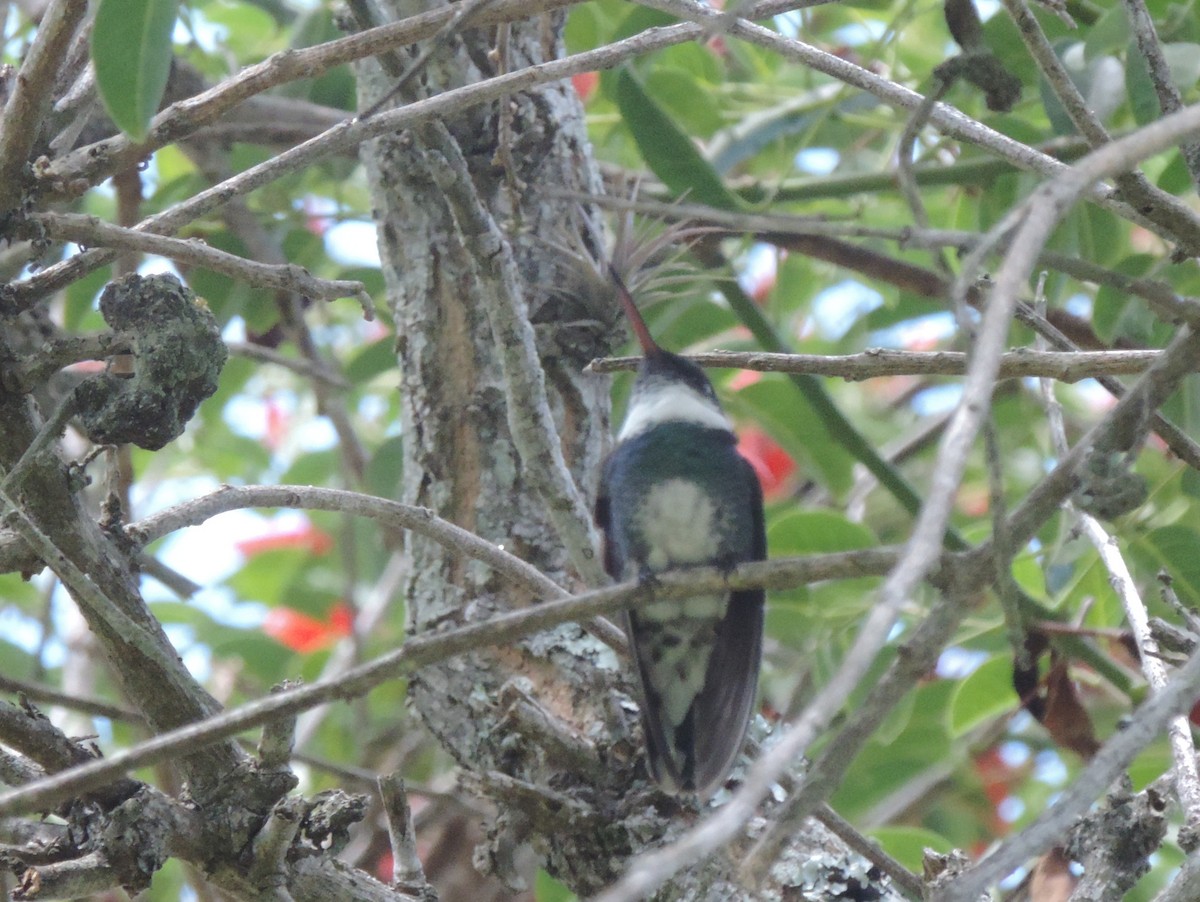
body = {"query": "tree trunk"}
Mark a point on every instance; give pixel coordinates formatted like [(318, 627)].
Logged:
[(547, 729)]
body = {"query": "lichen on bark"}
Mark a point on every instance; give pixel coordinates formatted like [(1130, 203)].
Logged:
[(178, 356)]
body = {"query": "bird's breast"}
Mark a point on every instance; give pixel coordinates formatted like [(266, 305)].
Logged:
[(677, 522)]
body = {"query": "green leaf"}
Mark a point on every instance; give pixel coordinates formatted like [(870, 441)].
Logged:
[(1190, 483), (246, 31), (1109, 35), (908, 844), (131, 48), (1115, 314), (385, 468), (1142, 96), (1175, 548), (800, 532), (377, 357), (1175, 178), (1184, 62), (669, 152), (986, 693), (686, 99), (793, 423), (547, 889)]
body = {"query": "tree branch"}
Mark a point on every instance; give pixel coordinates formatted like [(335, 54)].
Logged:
[(31, 96), (422, 650), (875, 363), (91, 231), (1142, 728)]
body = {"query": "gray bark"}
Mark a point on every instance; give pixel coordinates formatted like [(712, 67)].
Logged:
[(546, 728)]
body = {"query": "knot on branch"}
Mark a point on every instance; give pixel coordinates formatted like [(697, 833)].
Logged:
[(178, 355), (326, 827), (135, 838), (1108, 485), (977, 64)]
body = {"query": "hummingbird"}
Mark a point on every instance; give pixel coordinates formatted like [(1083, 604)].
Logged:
[(675, 492)]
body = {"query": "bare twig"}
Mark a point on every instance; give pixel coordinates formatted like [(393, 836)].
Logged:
[(271, 843), (422, 650), (1038, 217), (407, 872), (1005, 585), (1135, 187), (46, 695), (299, 366), (464, 13), (1114, 756), (393, 513), (1169, 100), (1185, 227), (1183, 751), (905, 159), (180, 119), (102, 156), (869, 849), (875, 363), (31, 95), (91, 231)]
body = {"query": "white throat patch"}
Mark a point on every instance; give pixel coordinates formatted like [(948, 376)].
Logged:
[(671, 402)]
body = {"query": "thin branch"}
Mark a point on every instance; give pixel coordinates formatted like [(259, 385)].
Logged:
[(1142, 728), (1038, 216), (350, 134), (421, 651), (91, 231), (1179, 731), (772, 227), (48, 696), (875, 363), (407, 873), (390, 513), (1046, 206), (1169, 100), (345, 136), (82, 586), (1183, 750), (297, 365), (1186, 885), (1182, 226), (32, 96), (905, 157), (265, 247), (920, 552), (1006, 585), (180, 119), (870, 849), (1135, 187), (465, 12)]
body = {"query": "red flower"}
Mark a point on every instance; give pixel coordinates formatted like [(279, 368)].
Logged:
[(743, 378), (304, 633), (773, 465), (277, 425), (306, 538), (585, 84)]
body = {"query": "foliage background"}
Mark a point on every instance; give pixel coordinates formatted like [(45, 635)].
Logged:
[(958, 763)]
